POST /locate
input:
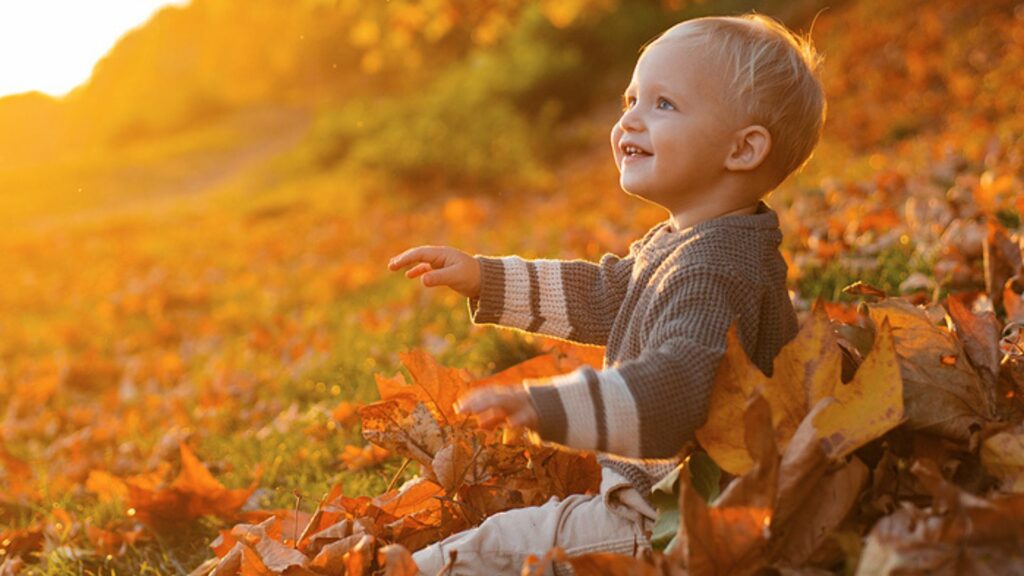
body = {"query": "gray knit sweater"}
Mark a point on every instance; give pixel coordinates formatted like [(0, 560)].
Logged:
[(662, 311)]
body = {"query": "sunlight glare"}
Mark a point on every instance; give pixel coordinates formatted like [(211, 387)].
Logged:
[(52, 45)]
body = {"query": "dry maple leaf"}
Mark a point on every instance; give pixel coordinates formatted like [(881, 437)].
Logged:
[(961, 533), (868, 406), (806, 370), (193, 493), (436, 386), (948, 400), (979, 333), (730, 537)]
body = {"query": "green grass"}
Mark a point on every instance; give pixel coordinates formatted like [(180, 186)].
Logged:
[(892, 266)]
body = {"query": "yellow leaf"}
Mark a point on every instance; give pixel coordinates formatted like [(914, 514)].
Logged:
[(806, 369), (735, 381), (869, 406)]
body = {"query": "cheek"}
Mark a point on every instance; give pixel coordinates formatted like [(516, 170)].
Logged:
[(616, 135)]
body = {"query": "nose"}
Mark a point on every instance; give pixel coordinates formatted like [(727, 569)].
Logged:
[(630, 120)]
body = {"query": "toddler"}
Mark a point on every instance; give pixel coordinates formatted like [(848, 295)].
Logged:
[(718, 113)]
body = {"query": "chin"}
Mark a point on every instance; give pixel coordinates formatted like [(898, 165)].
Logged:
[(638, 192)]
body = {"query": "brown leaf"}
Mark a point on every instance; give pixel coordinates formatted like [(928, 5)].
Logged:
[(434, 385), (860, 288), (736, 379), (1013, 299), (331, 558), (811, 500), (730, 537), (18, 478), (563, 472), (962, 533), (945, 400), (278, 557), (106, 486), (359, 559), (416, 434), (193, 493), (979, 334), (542, 366), (1002, 455), (252, 565), (453, 465)]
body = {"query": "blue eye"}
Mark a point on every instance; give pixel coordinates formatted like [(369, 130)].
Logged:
[(663, 101)]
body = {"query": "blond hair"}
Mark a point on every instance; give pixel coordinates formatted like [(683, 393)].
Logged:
[(772, 81)]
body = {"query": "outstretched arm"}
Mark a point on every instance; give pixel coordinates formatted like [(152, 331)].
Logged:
[(571, 299), (647, 407)]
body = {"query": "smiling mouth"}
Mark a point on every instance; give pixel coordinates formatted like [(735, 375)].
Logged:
[(633, 152)]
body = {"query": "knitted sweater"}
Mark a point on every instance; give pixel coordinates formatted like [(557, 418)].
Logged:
[(662, 312)]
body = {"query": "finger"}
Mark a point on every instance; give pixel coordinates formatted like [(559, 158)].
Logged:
[(418, 270), (442, 277), (431, 254), (476, 401), (491, 418), (521, 419)]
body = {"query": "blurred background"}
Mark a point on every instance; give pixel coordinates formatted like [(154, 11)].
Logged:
[(193, 240)]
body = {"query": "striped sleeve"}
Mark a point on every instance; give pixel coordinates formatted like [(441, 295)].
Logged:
[(569, 299), (648, 407)]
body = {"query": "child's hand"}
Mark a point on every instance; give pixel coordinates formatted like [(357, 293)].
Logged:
[(496, 405), (441, 266)]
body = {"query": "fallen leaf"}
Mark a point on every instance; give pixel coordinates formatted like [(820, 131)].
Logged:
[(807, 368), (416, 434), (961, 532), (946, 400), (452, 464), (811, 500), (193, 493), (730, 537), (980, 336), (860, 288), (436, 386), (868, 406), (1002, 455)]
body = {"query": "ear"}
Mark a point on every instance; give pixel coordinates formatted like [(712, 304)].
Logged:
[(750, 149)]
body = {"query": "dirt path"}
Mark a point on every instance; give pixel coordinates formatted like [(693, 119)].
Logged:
[(161, 174)]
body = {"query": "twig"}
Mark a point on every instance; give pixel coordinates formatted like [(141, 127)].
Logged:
[(447, 568), (394, 479), (295, 528), (313, 520)]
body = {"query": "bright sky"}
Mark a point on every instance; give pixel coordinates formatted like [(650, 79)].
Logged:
[(52, 45)]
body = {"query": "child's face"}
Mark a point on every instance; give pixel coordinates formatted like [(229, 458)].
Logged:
[(673, 111)]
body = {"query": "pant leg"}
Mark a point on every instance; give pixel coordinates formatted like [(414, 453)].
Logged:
[(579, 524)]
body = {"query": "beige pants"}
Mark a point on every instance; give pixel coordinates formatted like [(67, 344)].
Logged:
[(616, 520)]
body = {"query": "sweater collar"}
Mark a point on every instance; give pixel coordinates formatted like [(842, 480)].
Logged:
[(764, 218)]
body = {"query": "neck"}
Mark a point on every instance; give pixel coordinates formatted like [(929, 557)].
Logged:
[(691, 216)]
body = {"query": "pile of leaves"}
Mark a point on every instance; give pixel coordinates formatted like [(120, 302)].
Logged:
[(466, 475)]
